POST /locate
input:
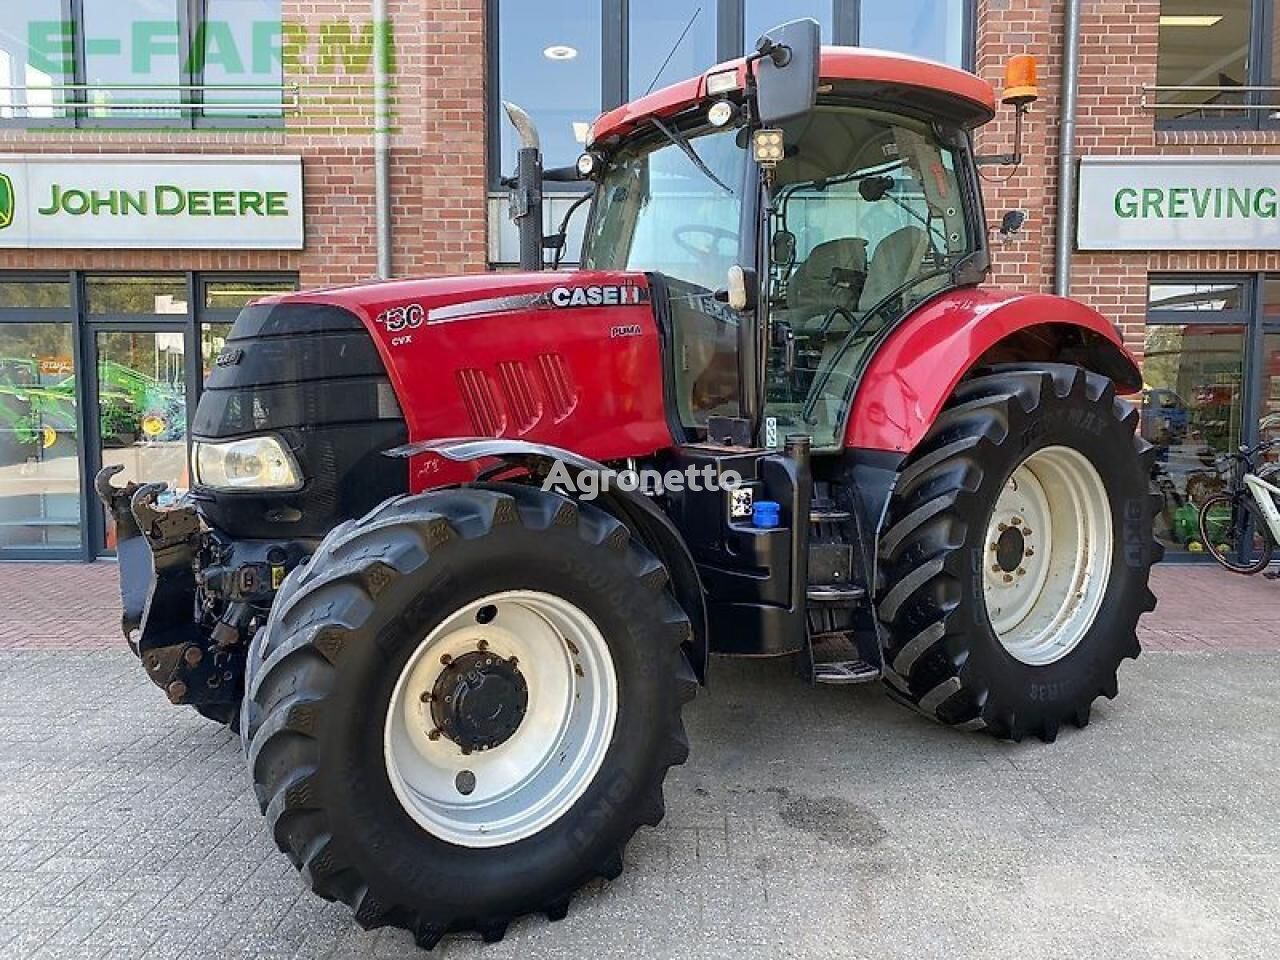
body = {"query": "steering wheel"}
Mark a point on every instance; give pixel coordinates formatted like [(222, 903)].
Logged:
[(716, 235)]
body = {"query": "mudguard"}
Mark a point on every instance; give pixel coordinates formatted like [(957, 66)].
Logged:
[(915, 370), (648, 522)]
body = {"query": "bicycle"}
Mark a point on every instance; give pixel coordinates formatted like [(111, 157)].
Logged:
[(1253, 498)]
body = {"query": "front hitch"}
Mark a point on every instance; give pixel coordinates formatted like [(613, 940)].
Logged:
[(157, 549)]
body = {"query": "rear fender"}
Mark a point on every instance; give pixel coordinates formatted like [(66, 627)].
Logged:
[(645, 520), (913, 373)]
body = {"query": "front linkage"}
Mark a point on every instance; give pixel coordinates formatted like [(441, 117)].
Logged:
[(190, 600)]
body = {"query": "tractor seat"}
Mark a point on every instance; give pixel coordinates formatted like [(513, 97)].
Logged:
[(832, 274)]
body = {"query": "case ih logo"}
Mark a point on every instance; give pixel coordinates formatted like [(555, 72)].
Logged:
[(7, 201)]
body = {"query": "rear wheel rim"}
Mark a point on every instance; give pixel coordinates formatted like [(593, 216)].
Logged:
[(496, 795), (1047, 555)]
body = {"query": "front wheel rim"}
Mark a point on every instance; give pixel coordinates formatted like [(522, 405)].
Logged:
[(501, 793), (1047, 555)]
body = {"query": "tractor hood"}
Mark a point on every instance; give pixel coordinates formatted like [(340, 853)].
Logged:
[(570, 359)]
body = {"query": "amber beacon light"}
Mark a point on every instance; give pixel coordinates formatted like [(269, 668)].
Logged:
[(1021, 83)]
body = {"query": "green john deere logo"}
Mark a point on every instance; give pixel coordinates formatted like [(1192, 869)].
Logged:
[(6, 201)]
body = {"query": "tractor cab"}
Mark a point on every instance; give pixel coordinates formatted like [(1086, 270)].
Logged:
[(790, 208)]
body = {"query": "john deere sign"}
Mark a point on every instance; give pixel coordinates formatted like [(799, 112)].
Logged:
[(173, 202), (1179, 203)]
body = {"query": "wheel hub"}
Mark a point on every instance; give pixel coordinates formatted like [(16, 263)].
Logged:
[(479, 700), (1010, 549)]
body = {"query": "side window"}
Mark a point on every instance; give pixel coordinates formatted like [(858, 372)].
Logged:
[(858, 238)]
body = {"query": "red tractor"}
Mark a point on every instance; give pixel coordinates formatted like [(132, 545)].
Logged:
[(456, 551)]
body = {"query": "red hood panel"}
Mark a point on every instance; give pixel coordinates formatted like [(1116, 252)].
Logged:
[(569, 359)]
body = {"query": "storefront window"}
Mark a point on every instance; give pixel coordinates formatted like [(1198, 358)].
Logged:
[(1193, 409), (166, 295), (926, 28), (763, 15), (239, 46), (35, 60), (39, 425), (213, 337), (1192, 296), (38, 294), (1204, 58), (237, 294), (674, 39), (128, 44), (549, 63)]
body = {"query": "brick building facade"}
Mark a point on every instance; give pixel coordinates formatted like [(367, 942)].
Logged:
[(449, 71)]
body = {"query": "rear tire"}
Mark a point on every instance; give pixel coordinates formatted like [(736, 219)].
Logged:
[(985, 632), (330, 669)]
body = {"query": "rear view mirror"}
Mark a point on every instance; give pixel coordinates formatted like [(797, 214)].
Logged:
[(786, 71)]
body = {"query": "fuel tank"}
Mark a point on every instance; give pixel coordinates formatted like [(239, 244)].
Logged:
[(571, 359)]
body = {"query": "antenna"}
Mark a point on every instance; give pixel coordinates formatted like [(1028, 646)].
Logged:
[(674, 47)]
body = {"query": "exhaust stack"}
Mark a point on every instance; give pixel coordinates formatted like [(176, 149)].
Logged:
[(525, 201)]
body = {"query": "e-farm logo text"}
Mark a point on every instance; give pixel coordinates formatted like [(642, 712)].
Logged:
[(239, 64)]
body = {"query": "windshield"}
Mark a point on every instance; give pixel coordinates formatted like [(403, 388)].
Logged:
[(656, 211), (869, 218)]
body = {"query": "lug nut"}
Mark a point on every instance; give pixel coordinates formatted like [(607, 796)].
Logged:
[(446, 659), (176, 691), (996, 568), (1030, 552), (193, 656), (1016, 521), (1008, 578), (1002, 527), (1022, 572), (482, 645), (433, 734), (1026, 531), (426, 696)]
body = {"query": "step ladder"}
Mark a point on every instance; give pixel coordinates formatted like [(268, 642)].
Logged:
[(835, 601)]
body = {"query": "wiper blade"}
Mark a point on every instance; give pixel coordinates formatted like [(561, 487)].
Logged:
[(687, 149)]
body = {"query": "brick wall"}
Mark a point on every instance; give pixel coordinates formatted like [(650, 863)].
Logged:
[(1117, 59), (437, 175)]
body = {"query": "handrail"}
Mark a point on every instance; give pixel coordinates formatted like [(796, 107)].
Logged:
[(1147, 104), (290, 100)]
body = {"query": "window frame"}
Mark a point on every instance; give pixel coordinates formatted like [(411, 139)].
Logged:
[(1262, 15), (189, 14), (615, 60)]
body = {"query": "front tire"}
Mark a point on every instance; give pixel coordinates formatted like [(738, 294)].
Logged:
[(434, 648), (1017, 553)]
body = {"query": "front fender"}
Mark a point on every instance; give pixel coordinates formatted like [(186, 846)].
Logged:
[(645, 520), (913, 373)]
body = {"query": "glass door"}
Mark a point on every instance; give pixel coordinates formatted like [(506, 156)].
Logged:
[(140, 401)]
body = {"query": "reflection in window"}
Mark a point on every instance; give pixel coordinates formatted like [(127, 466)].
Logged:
[(130, 43), (670, 40), (1195, 297), (38, 294), (39, 460), (239, 45), (1204, 47), (763, 15), (549, 63), (924, 28), (1193, 411), (35, 60), (236, 294), (213, 337), (133, 295)]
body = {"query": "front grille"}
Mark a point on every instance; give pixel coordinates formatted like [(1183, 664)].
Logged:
[(310, 374)]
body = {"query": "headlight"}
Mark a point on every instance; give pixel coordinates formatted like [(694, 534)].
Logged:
[(257, 464)]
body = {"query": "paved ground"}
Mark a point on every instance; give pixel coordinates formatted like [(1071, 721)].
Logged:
[(807, 823)]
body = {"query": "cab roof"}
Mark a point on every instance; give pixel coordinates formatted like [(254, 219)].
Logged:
[(961, 96)]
